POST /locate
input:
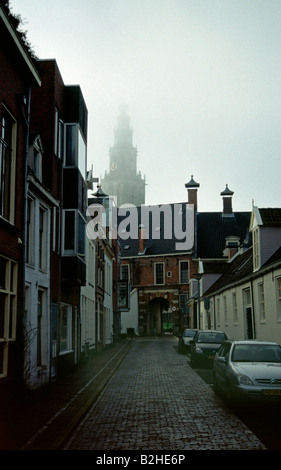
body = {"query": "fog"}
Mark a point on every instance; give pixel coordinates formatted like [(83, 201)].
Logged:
[(202, 81)]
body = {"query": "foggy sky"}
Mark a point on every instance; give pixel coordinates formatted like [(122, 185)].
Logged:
[(202, 81)]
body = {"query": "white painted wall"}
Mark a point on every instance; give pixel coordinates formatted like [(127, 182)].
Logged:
[(130, 319), (88, 305), (222, 310), (37, 280)]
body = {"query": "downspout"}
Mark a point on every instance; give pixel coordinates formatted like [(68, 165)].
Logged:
[(26, 116)]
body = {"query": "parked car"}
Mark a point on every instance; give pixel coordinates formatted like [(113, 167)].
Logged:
[(184, 340), (248, 370), (204, 346)]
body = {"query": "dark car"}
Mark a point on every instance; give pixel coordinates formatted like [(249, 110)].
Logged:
[(248, 371), (184, 340), (204, 346)]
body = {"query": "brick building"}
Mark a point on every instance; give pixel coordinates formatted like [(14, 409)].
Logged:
[(162, 270), (18, 75), (59, 117)]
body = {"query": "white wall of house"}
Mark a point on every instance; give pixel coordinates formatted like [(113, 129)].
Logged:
[(37, 299), (130, 319), (262, 297), (268, 306), (88, 305), (108, 300)]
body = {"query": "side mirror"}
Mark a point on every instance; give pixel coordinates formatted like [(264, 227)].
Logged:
[(222, 359)]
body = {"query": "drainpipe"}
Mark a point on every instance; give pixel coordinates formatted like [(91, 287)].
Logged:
[(26, 116)]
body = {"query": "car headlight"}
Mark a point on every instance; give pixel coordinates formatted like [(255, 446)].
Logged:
[(244, 380), (198, 350)]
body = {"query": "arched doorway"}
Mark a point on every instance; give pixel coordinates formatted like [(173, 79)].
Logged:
[(157, 308)]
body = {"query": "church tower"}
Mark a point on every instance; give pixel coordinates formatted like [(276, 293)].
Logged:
[(122, 180)]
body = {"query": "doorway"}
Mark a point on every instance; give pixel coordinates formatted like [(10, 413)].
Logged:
[(158, 309)]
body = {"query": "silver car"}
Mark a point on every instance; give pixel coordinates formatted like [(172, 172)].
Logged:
[(248, 370)]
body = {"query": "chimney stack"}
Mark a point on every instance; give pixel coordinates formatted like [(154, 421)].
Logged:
[(192, 192), (227, 202), (142, 237)]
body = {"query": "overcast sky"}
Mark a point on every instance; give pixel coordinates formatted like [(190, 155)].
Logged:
[(202, 81)]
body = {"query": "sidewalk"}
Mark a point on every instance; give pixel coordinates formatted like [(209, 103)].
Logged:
[(29, 424)]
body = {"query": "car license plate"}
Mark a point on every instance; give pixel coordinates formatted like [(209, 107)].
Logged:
[(211, 357), (272, 392)]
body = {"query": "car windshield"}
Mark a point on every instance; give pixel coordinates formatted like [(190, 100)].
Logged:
[(211, 337), (189, 333), (256, 353)]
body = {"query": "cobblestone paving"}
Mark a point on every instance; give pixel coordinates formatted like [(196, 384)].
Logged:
[(156, 401)]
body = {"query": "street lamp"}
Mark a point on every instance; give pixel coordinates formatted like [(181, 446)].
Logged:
[(198, 276)]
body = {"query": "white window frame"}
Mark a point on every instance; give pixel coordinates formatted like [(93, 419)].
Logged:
[(261, 302), (30, 229), (41, 328), (156, 275), (278, 297), (9, 292), (12, 183), (42, 240), (183, 272), (225, 310), (66, 345), (234, 308)]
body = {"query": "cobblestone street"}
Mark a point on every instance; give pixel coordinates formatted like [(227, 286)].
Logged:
[(156, 401)]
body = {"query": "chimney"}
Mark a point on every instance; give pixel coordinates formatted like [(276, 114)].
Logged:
[(142, 237), (227, 202), (192, 192)]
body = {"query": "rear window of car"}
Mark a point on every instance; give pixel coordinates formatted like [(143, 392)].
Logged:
[(211, 337), (189, 333)]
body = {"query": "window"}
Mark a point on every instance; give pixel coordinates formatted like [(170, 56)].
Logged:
[(8, 302), (183, 301), (35, 158), (7, 166), (184, 277), (125, 272), (218, 318), (159, 273), (248, 319), (56, 229), (65, 328), (61, 140), (225, 310), (234, 308), (56, 131), (278, 295), (74, 233), (42, 239), (30, 232), (75, 151), (261, 301), (41, 324)]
